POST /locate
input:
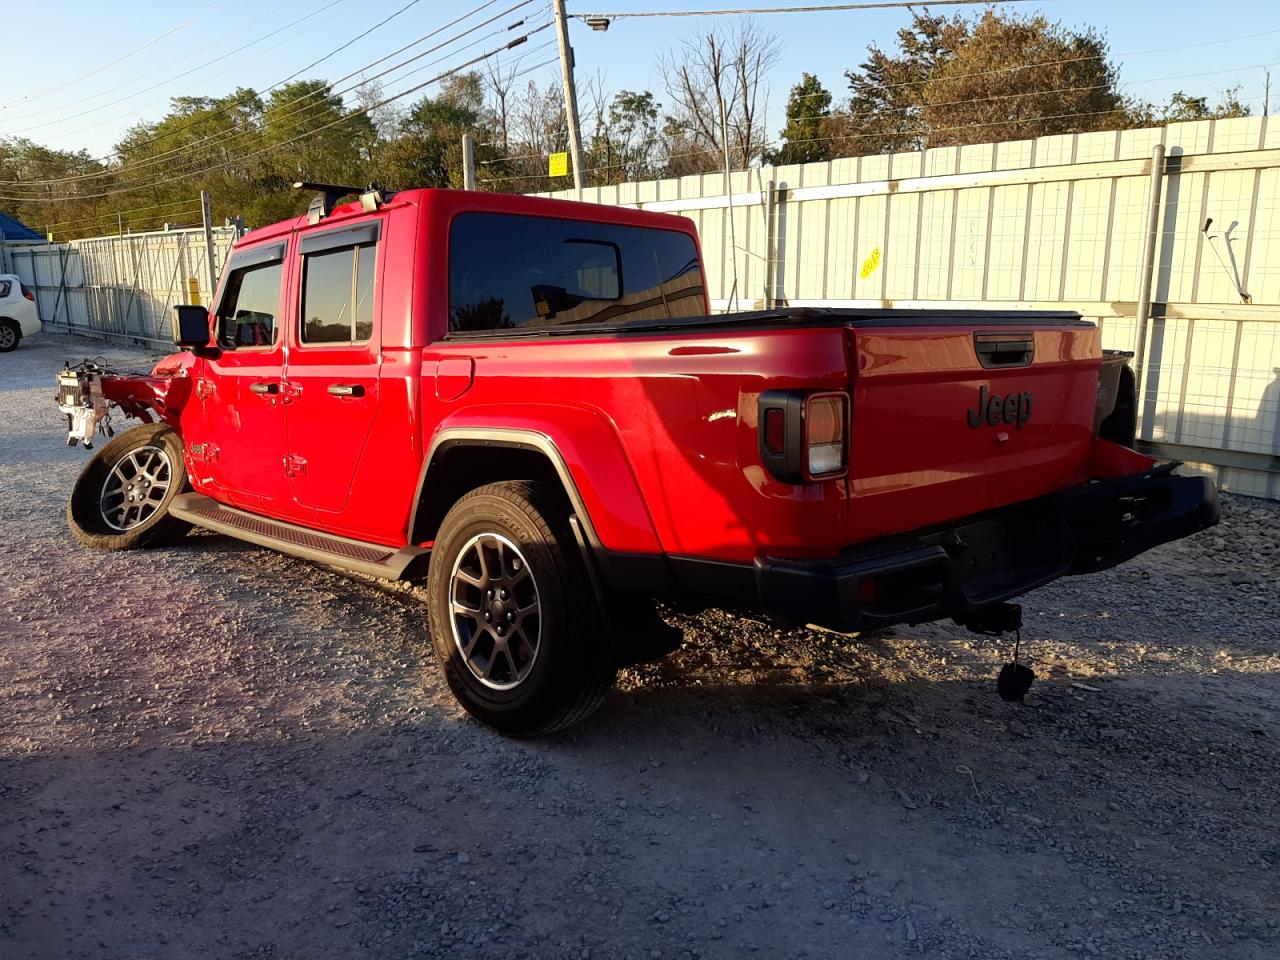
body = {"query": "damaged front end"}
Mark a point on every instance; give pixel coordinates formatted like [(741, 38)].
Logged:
[(89, 393)]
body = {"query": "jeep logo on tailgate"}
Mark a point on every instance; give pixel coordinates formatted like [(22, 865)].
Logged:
[(994, 409)]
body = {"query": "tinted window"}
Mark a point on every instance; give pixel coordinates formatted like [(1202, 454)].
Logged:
[(337, 295), (5, 287), (507, 272), (247, 314)]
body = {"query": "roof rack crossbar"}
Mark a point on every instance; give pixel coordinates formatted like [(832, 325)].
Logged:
[(327, 197)]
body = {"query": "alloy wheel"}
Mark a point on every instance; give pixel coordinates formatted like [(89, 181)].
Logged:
[(135, 488), (495, 611)]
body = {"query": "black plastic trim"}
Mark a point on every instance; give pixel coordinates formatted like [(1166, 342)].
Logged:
[(371, 559), (256, 256), (787, 465), (947, 571), (369, 231)]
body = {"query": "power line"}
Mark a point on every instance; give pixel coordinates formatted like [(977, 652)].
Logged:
[(113, 213), (301, 110), (155, 86), (124, 56), (149, 161), (134, 78), (825, 8), (345, 117), (223, 110)]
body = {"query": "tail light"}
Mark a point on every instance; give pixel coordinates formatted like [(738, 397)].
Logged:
[(825, 415), (804, 437), (27, 293)]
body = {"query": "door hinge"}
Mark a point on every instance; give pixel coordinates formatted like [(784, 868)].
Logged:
[(294, 466), (204, 389)]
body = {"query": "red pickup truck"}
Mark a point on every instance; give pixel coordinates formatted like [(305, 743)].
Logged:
[(528, 401)]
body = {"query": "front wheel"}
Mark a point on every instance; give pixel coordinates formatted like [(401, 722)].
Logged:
[(121, 499), (513, 618)]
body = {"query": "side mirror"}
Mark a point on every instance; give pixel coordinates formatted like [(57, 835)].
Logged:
[(190, 327)]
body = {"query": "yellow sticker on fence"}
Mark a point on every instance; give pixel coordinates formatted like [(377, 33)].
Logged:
[(558, 165), (869, 265)]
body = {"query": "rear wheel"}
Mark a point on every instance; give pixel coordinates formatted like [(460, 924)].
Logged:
[(121, 499), (513, 618), (10, 334)]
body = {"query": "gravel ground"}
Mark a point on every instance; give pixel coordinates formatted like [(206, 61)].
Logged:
[(215, 751)]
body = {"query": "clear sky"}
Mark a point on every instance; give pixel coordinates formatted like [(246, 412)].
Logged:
[(63, 89)]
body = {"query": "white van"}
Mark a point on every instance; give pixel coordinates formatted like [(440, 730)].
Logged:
[(18, 316)]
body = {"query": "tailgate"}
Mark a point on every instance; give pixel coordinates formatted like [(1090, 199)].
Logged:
[(950, 420)]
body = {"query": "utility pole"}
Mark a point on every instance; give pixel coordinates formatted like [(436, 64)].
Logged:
[(1266, 93), (570, 93), (206, 215), (468, 162)]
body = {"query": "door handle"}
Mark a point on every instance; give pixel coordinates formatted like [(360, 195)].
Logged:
[(346, 389), (265, 386)]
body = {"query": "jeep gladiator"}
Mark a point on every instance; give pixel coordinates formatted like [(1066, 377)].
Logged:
[(528, 402)]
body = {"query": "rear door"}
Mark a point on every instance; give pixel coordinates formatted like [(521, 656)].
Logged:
[(331, 379), (242, 385)]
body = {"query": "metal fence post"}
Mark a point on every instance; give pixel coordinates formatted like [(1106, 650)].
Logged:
[(1143, 311), (206, 214)]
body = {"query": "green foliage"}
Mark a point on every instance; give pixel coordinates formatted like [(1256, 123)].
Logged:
[(626, 144), (808, 108), (1181, 107)]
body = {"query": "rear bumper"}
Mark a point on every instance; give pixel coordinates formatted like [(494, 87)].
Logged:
[(968, 565)]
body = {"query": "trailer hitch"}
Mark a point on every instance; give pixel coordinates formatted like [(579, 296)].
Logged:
[(1015, 678)]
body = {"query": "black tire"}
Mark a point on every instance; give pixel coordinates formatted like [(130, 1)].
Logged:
[(10, 335), (147, 522), (572, 666)]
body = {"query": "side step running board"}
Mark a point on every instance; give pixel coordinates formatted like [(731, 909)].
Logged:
[(372, 559)]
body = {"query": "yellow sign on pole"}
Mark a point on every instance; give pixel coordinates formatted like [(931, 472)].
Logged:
[(193, 291), (558, 165)]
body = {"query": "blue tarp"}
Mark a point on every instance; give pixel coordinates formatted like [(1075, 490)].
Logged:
[(11, 229)]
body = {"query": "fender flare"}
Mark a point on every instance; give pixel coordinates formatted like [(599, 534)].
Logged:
[(518, 438), (616, 567)]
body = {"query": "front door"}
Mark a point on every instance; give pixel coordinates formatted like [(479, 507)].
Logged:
[(332, 374), (243, 385)]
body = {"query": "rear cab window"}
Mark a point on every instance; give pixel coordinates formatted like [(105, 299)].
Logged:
[(510, 272)]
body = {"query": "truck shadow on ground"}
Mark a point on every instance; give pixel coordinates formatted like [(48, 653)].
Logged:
[(288, 775), (857, 805)]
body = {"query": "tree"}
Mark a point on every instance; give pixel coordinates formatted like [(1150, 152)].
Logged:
[(807, 108), (313, 135), (1017, 77), (1000, 76), (885, 111), (625, 144), (1182, 107), (714, 70), (428, 151)]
